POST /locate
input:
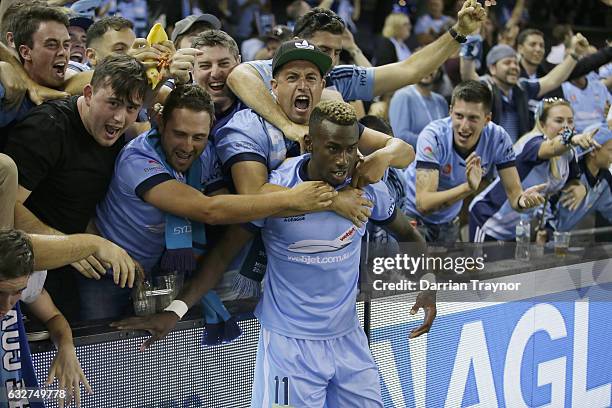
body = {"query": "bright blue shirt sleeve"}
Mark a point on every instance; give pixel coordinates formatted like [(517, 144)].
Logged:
[(353, 82), (264, 68)]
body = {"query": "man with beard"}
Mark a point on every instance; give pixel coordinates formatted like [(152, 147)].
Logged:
[(414, 107), (159, 180), (511, 94), (65, 152)]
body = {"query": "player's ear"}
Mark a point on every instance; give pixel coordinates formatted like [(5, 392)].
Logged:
[(308, 143)]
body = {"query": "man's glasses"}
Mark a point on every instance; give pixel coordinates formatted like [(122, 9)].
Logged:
[(317, 20)]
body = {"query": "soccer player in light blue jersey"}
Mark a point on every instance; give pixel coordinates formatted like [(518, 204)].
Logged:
[(312, 351), (159, 187), (543, 161), (323, 28), (452, 156), (593, 169)]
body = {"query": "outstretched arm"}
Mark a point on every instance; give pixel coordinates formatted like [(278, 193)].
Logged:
[(389, 78), (562, 71)]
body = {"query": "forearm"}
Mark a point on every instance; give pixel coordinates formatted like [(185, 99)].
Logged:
[(429, 201), (9, 55), (556, 77), (25, 220), (60, 332), (591, 62), (398, 153), (552, 148), (391, 77), (517, 12), (236, 208), (214, 265), (54, 251), (76, 83), (467, 69)]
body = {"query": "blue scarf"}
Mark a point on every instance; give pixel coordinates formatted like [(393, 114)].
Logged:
[(184, 240)]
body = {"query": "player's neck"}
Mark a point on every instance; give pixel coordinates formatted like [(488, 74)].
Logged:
[(84, 113), (424, 90), (503, 86), (223, 103)]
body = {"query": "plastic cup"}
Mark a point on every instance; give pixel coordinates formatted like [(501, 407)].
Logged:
[(562, 240)]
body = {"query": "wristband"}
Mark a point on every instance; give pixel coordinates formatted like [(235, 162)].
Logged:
[(456, 36), (178, 307), (574, 56)]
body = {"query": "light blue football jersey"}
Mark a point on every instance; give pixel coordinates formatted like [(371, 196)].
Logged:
[(435, 150), (310, 286), (588, 103)]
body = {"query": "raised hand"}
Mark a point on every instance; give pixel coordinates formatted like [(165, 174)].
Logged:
[(473, 171), (471, 15), (351, 205)]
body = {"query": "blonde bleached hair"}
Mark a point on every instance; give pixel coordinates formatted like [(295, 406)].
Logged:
[(338, 112), (541, 114), (393, 22)]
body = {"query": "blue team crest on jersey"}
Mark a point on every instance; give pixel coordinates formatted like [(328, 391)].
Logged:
[(313, 246)]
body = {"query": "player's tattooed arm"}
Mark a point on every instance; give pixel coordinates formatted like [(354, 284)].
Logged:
[(428, 199)]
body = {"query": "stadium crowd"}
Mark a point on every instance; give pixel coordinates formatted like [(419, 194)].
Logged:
[(138, 135)]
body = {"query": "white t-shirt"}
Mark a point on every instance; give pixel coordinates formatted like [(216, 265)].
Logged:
[(34, 287)]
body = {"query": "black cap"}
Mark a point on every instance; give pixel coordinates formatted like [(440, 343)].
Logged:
[(81, 21), (299, 49)]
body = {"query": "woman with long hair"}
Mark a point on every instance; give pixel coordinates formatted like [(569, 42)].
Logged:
[(543, 158)]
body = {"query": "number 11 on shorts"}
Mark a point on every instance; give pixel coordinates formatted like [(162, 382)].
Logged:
[(285, 381)]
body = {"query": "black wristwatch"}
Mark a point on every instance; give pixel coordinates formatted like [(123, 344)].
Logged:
[(456, 36)]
